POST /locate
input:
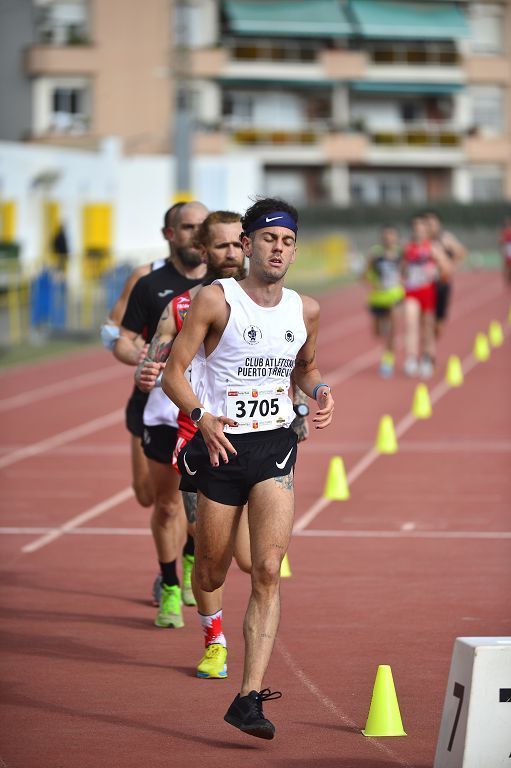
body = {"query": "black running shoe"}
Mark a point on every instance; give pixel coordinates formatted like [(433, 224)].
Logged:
[(246, 713)]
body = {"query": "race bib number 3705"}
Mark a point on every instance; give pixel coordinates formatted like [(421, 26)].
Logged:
[(257, 408)]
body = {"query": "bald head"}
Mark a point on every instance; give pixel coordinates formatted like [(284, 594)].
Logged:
[(183, 233)]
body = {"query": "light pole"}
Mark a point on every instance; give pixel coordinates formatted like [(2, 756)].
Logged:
[(183, 117)]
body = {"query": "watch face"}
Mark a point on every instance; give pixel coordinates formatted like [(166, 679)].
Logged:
[(301, 409), (195, 414)]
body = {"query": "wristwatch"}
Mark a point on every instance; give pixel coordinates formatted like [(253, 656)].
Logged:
[(196, 415), (301, 409)]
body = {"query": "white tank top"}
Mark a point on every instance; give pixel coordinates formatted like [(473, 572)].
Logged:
[(247, 376), (158, 408)]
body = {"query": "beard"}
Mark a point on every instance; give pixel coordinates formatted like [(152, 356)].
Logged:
[(223, 271), (189, 256)]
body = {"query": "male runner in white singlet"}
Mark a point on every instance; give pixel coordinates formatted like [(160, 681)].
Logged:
[(254, 334)]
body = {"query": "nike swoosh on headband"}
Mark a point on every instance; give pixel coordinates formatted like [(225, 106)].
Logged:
[(283, 464), (274, 219), (190, 471)]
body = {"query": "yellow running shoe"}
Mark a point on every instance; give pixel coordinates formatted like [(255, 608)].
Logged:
[(170, 614), (188, 597), (214, 662)]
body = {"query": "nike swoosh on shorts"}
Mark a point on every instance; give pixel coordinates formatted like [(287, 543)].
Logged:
[(283, 464), (190, 471), (274, 219)]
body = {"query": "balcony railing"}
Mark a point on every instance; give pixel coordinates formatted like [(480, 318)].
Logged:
[(401, 55), (266, 50), (63, 123), (263, 136), (62, 34), (419, 136)]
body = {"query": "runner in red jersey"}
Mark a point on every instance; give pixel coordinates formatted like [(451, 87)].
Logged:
[(185, 426), (423, 264)]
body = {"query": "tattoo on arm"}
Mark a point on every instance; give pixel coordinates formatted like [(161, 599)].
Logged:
[(159, 350), (299, 395), (303, 363)]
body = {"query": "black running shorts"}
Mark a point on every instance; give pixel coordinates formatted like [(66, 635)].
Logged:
[(159, 442), (443, 298), (135, 412), (260, 455)]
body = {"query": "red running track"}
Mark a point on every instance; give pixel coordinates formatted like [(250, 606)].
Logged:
[(419, 555)]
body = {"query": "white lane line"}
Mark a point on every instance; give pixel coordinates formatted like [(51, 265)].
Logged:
[(75, 522), (61, 387), (406, 531), (402, 534), (331, 706), (10, 531), (102, 422), (441, 389)]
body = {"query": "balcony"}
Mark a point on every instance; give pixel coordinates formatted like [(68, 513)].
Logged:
[(433, 54), (49, 60), (273, 137), (294, 51), (418, 135), (417, 144)]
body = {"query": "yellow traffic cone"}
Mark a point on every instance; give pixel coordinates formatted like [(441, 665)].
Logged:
[(421, 407), (495, 334), (384, 718), (285, 568), (454, 372), (336, 486), (481, 347), (386, 441)]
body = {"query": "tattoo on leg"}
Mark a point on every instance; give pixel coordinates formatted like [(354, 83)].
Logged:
[(266, 635), (278, 546), (190, 504), (285, 481)]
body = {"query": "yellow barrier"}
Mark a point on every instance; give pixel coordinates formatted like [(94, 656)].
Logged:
[(320, 261)]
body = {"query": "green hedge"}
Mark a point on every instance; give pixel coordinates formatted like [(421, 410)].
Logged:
[(452, 214)]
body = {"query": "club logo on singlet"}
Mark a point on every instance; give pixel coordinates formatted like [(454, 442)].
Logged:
[(252, 334), (289, 336)]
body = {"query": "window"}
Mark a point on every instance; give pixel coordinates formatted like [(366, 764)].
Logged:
[(487, 28), (487, 183), (68, 109), (62, 23), (487, 109)]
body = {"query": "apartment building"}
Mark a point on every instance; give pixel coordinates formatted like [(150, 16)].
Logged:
[(337, 101)]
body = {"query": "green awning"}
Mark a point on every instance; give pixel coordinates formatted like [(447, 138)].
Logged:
[(263, 82), (287, 18), (405, 88), (388, 19)]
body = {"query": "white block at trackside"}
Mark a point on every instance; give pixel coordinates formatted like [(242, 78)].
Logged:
[(475, 731)]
